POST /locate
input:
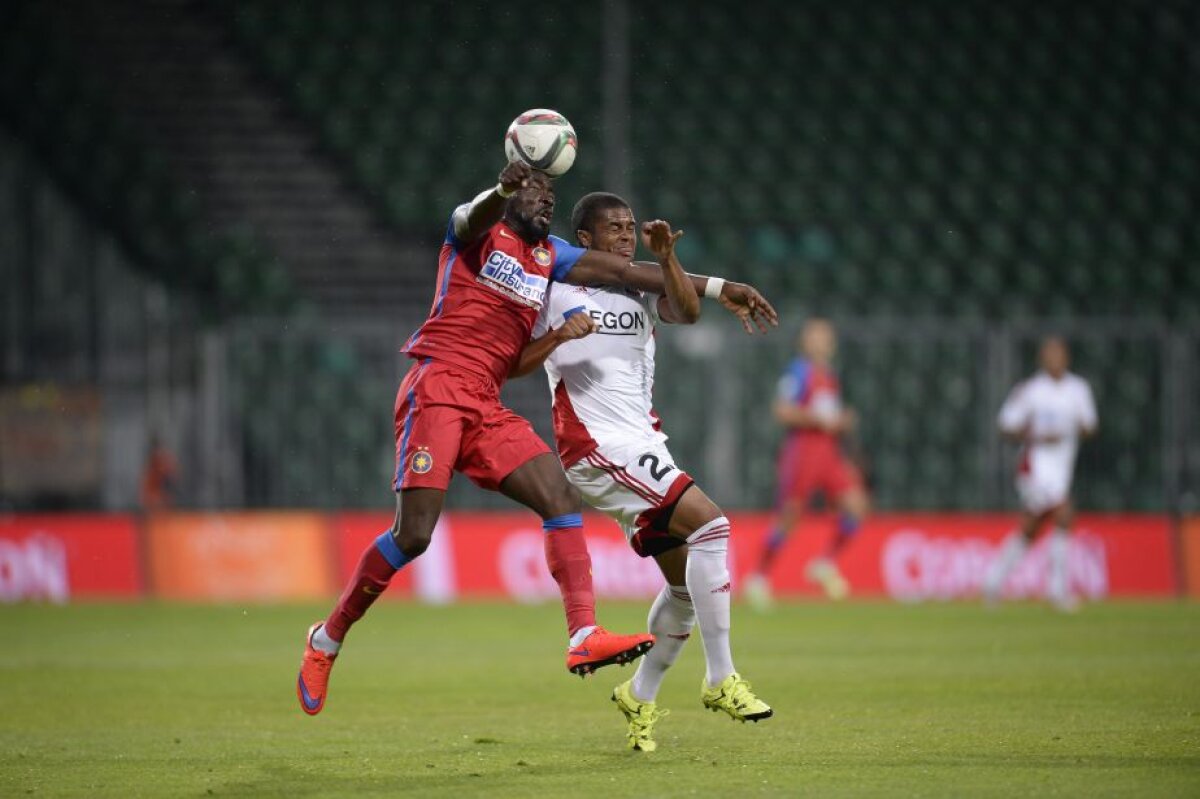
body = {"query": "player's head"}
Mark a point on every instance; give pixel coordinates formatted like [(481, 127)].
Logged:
[(605, 222), (1054, 357), (817, 341), (531, 209)]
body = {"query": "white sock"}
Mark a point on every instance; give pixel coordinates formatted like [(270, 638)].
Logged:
[(1010, 555), (1056, 585), (582, 633), (323, 643), (708, 583), (671, 620)]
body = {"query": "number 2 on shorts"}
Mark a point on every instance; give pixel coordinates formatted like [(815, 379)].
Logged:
[(656, 471)]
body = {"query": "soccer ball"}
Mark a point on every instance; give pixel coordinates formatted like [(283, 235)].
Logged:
[(542, 138)]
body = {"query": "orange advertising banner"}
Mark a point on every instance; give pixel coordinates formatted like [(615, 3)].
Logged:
[(1191, 554), (240, 556)]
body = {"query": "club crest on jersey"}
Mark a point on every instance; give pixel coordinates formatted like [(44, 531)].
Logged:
[(505, 274), (542, 256), (421, 461)]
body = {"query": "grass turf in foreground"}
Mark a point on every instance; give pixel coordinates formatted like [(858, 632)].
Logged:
[(870, 700)]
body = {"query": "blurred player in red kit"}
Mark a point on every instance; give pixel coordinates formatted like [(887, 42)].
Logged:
[(497, 261), (809, 406)]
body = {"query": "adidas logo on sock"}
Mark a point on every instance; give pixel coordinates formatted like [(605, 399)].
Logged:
[(722, 590)]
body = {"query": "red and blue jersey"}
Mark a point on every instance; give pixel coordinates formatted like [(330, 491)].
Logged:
[(814, 387), (489, 293)]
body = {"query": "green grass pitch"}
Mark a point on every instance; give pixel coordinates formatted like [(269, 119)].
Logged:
[(473, 700)]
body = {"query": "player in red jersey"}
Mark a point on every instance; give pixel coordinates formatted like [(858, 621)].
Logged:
[(496, 263), (809, 406)]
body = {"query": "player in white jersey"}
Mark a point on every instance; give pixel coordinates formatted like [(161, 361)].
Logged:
[(1047, 414), (614, 451)]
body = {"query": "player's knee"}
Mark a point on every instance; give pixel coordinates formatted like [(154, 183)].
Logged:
[(413, 536), (711, 537), (857, 505)]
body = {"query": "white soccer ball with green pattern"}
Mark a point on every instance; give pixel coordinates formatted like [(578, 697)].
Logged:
[(542, 138)]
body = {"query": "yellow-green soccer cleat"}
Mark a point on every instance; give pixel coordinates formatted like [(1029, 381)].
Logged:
[(734, 696), (642, 716)]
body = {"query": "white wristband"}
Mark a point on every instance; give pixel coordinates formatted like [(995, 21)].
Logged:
[(712, 289), (505, 194)]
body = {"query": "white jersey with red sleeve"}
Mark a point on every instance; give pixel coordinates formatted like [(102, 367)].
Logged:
[(609, 438), (602, 384), (1059, 410)]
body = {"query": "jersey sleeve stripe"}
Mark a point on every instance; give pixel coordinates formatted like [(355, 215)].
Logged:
[(438, 300)]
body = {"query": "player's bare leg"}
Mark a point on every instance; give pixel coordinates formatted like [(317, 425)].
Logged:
[(1011, 552), (853, 506), (1058, 589), (758, 583), (417, 511), (539, 484)]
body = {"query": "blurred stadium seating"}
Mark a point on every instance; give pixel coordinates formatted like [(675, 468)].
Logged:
[(880, 158), (417, 123), (947, 180), (64, 113)]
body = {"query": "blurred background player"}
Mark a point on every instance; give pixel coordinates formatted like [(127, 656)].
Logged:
[(1047, 414), (158, 477), (809, 405), (612, 446)]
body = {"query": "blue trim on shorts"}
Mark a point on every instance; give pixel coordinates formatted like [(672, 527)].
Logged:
[(408, 420)]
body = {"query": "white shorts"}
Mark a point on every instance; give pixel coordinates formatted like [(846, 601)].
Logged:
[(633, 482), (1041, 491)]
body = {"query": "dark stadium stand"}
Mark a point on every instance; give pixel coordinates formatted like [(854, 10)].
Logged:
[(964, 162), (417, 124), (65, 115), (970, 166), (1007, 160)]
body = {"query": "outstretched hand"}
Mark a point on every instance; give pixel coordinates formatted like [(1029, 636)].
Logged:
[(749, 306), (658, 238)]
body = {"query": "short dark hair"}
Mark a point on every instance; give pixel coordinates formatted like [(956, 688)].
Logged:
[(584, 214)]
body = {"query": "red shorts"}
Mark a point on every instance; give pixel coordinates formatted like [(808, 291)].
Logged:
[(449, 420), (804, 472)]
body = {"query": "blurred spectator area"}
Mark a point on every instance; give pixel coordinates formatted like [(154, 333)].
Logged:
[(222, 219)]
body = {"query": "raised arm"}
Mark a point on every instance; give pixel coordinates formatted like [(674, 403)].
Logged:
[(679, 304), (473, 219), (606, 269)]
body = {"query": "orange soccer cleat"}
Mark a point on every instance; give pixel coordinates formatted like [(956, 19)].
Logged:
[(603, 648), (313, 681)]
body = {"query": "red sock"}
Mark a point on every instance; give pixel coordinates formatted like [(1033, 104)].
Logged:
[(571, 565), (370, 579)]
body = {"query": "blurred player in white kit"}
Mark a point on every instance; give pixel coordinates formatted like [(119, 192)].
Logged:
[(1047, 414)]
